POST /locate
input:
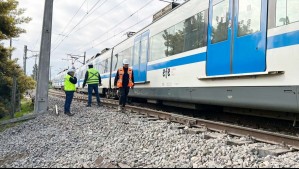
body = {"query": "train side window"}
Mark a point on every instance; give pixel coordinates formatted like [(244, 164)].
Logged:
[(128, 54), (120, 60), (195, 31), (114, 62), (249, 17), (136, 53), (220, 22), (292, 11), (158, 46), (144, 51), (281, 13), (286, 12), (185, 36)]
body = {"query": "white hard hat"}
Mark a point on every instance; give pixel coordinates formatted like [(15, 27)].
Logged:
[(71, 71), (126, 62)]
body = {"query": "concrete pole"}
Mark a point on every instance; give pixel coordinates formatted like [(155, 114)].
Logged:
[(13, 97), (41, 99), (25, 58), (10, 44)]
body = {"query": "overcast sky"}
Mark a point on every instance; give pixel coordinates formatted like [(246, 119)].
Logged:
[(100, 21)]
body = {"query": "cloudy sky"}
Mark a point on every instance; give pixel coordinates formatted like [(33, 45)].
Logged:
[(82, 25)]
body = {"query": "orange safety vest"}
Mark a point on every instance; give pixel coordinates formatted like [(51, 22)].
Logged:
[(121, 73)]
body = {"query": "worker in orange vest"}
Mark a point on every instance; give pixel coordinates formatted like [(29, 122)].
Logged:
[(124, 80)]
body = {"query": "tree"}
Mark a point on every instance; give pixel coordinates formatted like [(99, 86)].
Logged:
[(10, 19)]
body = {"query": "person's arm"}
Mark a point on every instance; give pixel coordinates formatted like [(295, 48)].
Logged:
[(116, 78), (85, 80), (73, 80), (133, 77)]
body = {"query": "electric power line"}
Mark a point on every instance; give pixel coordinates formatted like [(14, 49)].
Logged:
[(115, 26), (150, 16), (104, 13), (87, 14), (71, 19)]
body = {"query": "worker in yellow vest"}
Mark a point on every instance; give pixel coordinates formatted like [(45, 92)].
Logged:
[(70, 82), (93, 79), (124, 80)]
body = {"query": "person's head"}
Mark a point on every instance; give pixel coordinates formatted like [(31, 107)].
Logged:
[(126, 63), (71, 72), (90, 65)]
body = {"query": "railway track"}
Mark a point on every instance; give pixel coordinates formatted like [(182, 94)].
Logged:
[(255, 135)]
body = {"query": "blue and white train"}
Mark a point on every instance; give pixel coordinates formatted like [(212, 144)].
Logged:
[(229, 53)]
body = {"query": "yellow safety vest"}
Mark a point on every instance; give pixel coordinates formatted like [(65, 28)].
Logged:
[(93, 76), (68, 85)]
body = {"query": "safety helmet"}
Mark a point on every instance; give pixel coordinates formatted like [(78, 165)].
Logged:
[(126, 62), (71, 71)]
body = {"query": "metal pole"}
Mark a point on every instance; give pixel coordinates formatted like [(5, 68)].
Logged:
[(25, 58), (42, 101)]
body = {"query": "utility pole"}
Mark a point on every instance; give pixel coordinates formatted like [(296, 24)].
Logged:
[(10, 44), (13, 97), (25, 58), (42, 100)]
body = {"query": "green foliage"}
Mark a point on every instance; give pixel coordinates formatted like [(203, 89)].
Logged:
[(10, 18)]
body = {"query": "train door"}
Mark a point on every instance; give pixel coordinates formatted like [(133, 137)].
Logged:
[(237, 37), (140, 59)]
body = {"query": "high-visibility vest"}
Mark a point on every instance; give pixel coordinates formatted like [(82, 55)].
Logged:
[(121, 73), (68, 85), (93, 76)]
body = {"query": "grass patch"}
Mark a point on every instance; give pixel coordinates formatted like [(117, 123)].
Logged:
[(26, 108)]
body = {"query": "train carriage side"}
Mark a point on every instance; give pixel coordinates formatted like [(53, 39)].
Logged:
[(103, 64), (122, 51), (176, 45), (223, 52)]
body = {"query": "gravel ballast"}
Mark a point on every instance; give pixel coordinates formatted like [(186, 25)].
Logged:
[(123, 140)]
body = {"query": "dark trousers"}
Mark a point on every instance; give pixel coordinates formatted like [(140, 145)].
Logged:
[(68, 101), (95, 88), (124, 92)]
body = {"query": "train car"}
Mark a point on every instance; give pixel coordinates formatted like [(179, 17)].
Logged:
[(221, 52), (58, 80), (102, 63), (229, 53)]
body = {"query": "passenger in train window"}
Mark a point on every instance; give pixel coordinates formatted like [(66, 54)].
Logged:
[(124, 80), (93, 79), (70, 82)]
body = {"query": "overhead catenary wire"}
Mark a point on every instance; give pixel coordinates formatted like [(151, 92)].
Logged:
[(104, 13), (123, 31), (70, 21), (115, 26), (81, 20)]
